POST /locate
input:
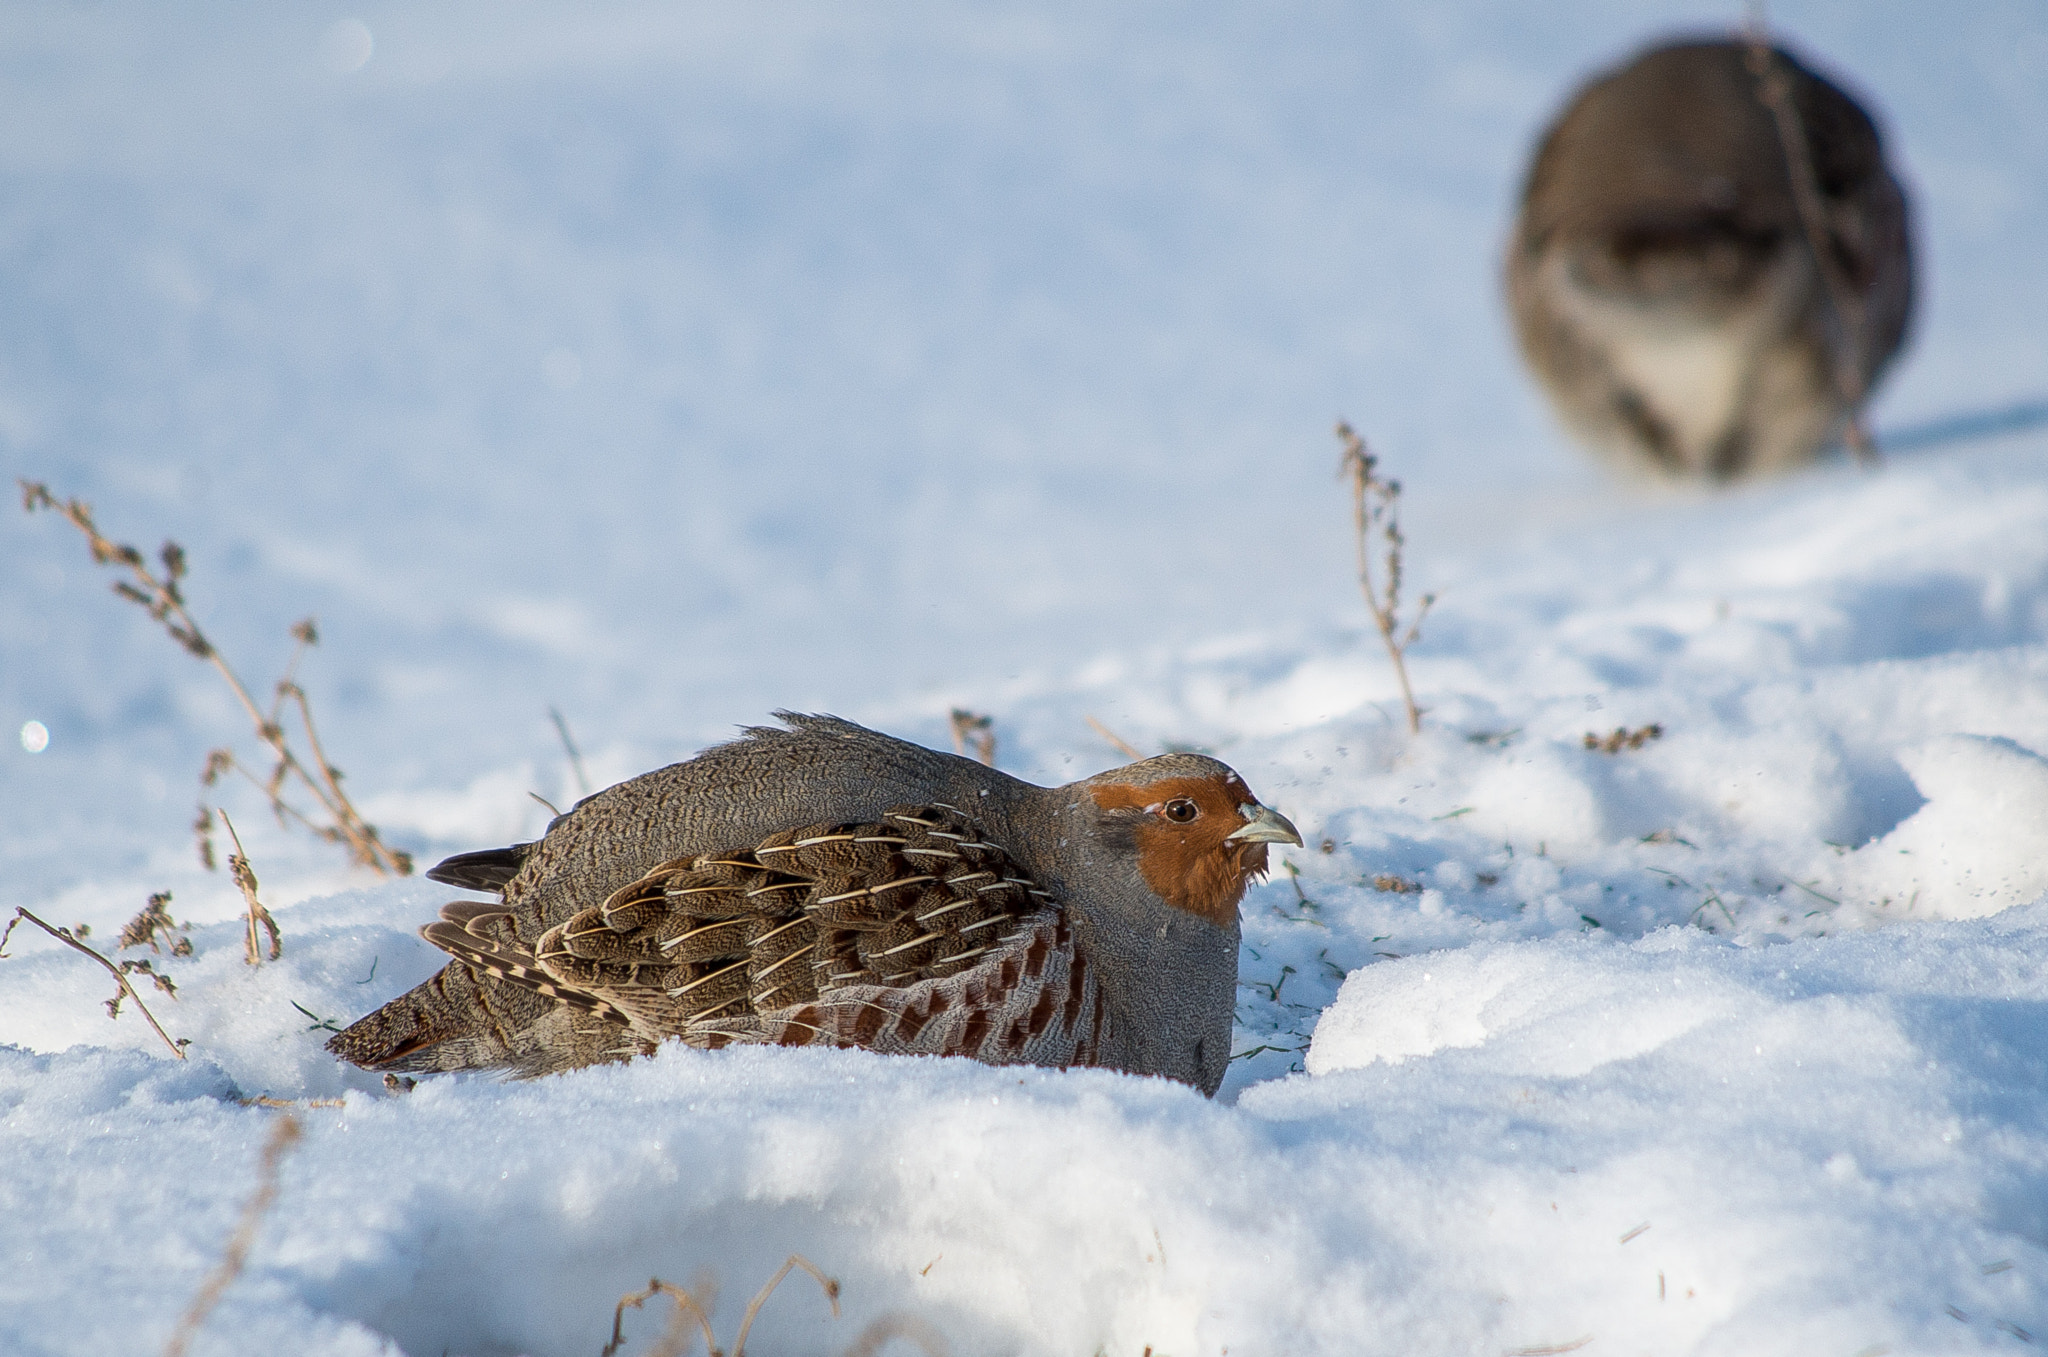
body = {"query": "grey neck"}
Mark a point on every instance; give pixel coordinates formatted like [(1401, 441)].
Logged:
[(1169, 977)]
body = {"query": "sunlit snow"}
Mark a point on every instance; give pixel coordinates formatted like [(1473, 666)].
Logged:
[(665, 365)]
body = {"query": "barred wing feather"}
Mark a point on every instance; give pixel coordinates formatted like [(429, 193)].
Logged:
[(912, 934)]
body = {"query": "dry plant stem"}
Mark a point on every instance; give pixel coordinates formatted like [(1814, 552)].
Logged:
[(1624, 738), (980, 731), (245, 880), (575, 756), (830, 1286), (1774, 90), (675, 1339), (354, 828), (223, 761), (1373, 501), (165, 603), (63, 935), (1117, 742), (282, 1137), (154, 920)]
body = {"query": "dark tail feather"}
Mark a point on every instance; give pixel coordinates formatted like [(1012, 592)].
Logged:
[(487, 869)]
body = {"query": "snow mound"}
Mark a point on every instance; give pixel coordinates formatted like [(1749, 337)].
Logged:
[(606, 377), (1676, 1145), (1557, 1010), (1979, 845)]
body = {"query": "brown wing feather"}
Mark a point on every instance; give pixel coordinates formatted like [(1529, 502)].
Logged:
[(1032, 999), (912, 933), (511, 965)]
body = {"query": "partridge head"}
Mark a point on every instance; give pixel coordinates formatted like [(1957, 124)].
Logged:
[(1712, 264), (823, 883)]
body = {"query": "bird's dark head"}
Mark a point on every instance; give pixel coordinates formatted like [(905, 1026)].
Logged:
[(1197, 832)]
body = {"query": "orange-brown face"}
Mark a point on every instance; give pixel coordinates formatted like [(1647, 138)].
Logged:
[(1192, 839)]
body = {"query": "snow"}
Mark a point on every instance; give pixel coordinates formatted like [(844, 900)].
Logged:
[(665, 365)]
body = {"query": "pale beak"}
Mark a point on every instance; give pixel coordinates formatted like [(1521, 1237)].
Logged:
[(1264, 825)]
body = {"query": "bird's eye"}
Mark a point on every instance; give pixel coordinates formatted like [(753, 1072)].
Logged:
[(1180, 810)]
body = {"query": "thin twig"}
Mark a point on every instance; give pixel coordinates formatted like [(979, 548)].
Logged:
[(1624, 738), (1374, 504), (1774, 90), (1118, 742), (245, 880), (162, 597), (154, 921), (676, 1336), (64, 936), (831, 1288), (575, 756), (222, 762), (675, 1339), (349, 822), (282, 1137), (307, 635)]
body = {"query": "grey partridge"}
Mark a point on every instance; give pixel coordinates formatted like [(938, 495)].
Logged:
[(824, 883), (1661, 274)]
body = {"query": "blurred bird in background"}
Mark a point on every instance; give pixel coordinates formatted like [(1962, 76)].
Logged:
[(1712, 264)]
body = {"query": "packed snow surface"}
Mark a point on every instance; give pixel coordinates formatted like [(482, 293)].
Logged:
[(666, 365)]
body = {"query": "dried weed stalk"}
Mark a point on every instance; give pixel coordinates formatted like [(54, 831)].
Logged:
[(969, 728), (120, 972), (1117, 742), (1624, 738), (161, 595), (1375, 510), (152, 923), (575, 754), (245, 881), (1774, 91), (675, 1339), (283, 1136)]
